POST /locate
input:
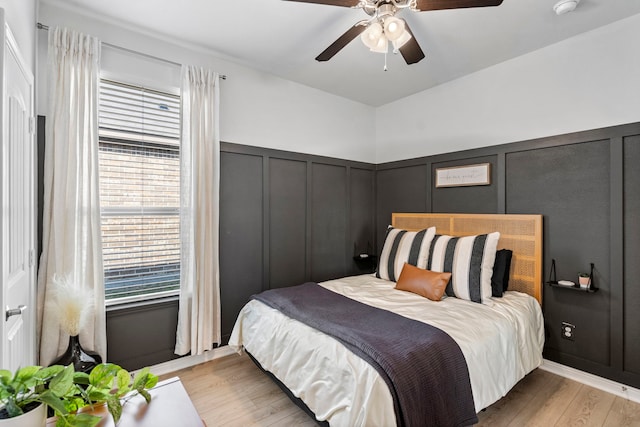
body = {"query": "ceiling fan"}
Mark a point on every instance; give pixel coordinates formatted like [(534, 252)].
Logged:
[(383, 26)]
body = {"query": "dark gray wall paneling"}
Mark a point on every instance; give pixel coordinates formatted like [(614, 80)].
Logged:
[(569, 185), (328, 222), (241, 236), (401, 189), (362, 218), (587, 186), (474, 199), (40, 177), (288, 222), (142, 335), (632, 254)]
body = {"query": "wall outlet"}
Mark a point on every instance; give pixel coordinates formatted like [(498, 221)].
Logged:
[(567, 331)]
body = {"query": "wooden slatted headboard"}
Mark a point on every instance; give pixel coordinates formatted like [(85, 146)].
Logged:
[(520, 233)]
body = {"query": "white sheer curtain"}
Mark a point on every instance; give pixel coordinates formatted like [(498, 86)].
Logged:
[(199, 312), (72, 241)]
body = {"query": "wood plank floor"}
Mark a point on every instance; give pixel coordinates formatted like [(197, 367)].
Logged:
[(232, 391)]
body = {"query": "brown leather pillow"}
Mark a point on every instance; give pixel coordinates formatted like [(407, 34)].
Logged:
[(429, 284)]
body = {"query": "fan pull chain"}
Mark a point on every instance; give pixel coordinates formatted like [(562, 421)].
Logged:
[(385, 61)]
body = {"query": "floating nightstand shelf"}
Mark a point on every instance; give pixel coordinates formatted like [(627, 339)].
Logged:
[(367, 260), (554, 282)]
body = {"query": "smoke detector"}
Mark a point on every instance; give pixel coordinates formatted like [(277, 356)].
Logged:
[(564, 6)]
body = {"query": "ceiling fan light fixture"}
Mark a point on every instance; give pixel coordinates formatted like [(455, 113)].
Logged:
[(398, 43), (382, 14), (382, 46), (372, 35), (394, 28), (565, 6)]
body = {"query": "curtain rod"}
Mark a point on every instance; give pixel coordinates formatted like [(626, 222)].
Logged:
[(113, 46)]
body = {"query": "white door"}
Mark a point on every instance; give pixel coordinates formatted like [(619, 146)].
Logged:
[(17, 264)]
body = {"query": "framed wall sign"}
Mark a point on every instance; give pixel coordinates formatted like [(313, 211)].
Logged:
[(461, 176)]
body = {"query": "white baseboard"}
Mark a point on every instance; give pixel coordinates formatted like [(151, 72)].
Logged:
[(189, 361), (595, 381)]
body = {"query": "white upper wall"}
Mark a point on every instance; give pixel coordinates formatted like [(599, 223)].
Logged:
[(257, 108), (585, 82), (21, 17)]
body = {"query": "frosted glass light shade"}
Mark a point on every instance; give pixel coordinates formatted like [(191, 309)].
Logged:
[(393, 28), (382, 46), (404, 38), (371, 36)]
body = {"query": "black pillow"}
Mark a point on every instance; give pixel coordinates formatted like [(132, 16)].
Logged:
[(501, 268)]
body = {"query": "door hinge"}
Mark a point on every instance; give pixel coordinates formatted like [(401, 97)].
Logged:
[(32, 125), (30, 257)]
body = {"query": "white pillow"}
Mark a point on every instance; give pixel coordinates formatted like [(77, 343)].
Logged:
[(469, 260), (402, 246)]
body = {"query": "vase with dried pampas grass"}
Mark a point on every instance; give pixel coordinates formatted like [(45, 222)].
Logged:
[(74, 304)]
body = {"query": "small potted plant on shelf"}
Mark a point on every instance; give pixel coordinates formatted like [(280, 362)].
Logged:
[(584, 279)]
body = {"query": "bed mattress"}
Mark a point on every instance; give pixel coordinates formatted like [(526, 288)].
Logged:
[(501, 343)]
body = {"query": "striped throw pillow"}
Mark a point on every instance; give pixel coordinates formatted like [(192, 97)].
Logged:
[(469, 260), (402, 246)]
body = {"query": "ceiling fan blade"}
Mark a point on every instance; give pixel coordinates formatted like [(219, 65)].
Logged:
[(424, 5), (344, 3), (341, 42), (411, 51)]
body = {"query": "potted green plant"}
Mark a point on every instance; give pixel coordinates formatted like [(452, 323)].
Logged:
[(107, 385), (25, 394), (584, 279)]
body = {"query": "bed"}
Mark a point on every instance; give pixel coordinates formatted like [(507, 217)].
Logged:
[(501, 339)]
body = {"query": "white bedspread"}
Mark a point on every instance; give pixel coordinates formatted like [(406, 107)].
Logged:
[(501, 344)]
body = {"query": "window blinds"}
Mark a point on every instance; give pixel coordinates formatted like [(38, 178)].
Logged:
[(139, 161)]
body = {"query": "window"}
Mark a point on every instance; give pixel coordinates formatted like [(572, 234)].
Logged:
[(139, 162)]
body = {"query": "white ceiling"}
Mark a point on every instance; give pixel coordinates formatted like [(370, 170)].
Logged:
[(284, 37)]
